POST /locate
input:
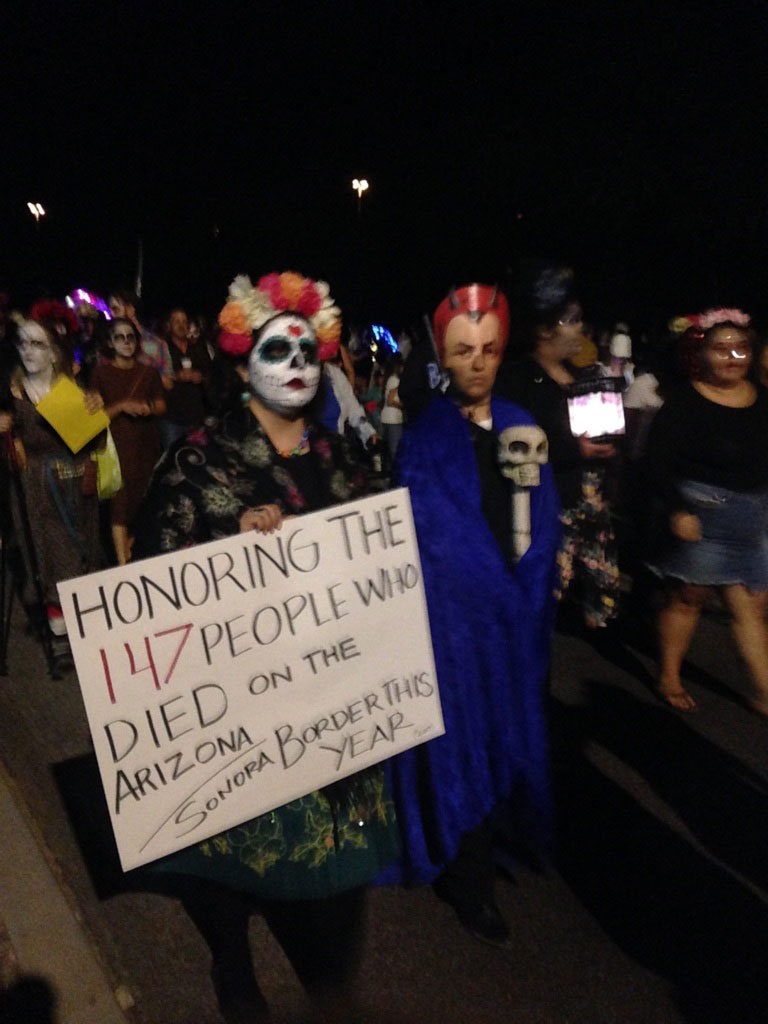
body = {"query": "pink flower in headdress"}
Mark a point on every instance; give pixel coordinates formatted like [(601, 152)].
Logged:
[(723, 316), (310, 299), (272, 286), (235, 344)]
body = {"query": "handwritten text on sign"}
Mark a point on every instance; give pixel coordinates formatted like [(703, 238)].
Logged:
[(224, 680)]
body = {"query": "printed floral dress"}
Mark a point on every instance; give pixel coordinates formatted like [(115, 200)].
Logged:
[(330, 840), (589, 551)]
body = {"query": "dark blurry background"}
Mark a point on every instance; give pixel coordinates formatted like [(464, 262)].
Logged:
[(627, 138)]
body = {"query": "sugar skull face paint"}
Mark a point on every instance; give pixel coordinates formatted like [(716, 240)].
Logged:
[(283, 367), (35, 349)]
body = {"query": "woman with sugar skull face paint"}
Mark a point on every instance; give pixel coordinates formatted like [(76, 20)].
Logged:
[(58, 487), (304, 865)]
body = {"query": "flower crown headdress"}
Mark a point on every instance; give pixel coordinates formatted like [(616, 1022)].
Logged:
[(250, 306), (56, 313), (712, 317)]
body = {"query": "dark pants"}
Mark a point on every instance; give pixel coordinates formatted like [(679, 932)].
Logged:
[(469, 879), (321, 938)]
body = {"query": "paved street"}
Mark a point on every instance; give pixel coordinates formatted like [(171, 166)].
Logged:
[(655, 910)]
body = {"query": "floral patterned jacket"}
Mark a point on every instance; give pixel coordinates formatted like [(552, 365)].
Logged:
[(205, 482), (329, 840)]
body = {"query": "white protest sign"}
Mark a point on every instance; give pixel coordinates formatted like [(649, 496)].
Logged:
[(226, 679)]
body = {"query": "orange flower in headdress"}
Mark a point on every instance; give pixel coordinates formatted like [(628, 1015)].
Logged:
[(292, 285), (232, 319)]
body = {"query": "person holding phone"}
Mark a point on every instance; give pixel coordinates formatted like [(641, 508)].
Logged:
[(550, 325)]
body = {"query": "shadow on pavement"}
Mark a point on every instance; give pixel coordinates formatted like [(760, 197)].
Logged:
[(29, 1000), (79, 784), (658, 897)]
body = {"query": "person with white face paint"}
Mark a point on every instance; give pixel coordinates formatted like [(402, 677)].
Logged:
[(266, 458), (134, 397), (58, 487)]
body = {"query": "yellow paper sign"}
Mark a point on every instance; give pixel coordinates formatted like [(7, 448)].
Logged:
[(64, 408)]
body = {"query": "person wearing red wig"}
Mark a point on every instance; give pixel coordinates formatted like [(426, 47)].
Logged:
[(490, 604)]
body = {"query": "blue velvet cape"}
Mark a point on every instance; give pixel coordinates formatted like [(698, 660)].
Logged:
[(491, 632)]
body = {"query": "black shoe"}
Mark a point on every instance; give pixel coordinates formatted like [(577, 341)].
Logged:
[(239, 996), (484, 922)]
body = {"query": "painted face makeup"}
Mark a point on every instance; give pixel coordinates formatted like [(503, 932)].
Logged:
[(123, 339), (283, 368), (34, 349)]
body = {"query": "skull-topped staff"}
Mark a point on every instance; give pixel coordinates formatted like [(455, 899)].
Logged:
[(522, 450)]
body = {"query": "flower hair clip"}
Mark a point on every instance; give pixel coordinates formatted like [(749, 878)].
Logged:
[(712, 317), (250, 306), (56, 313)]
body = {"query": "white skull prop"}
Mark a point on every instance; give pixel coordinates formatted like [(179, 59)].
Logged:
[(522, 450), (283, 368)]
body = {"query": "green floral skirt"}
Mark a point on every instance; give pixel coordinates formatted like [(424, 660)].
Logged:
[(329, 841)]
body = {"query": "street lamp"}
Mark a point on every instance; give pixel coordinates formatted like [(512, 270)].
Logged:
[(37, 211), (360, 185)]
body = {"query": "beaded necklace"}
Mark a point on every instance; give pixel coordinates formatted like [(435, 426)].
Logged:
[(301, 448)]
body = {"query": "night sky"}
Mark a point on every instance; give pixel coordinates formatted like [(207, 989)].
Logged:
[(626, 138)]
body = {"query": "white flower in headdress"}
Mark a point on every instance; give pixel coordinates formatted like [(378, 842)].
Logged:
[(260, 309), (241, 288), (326, 316)]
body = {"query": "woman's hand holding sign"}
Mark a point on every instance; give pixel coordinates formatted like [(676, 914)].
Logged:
[(262, 519)]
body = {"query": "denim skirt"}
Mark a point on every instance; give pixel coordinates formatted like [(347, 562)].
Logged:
[(734, 542)]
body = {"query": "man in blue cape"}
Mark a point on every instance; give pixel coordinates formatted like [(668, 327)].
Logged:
[(491, 610)]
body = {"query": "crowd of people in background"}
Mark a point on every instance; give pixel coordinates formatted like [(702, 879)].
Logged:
[(546, 523)]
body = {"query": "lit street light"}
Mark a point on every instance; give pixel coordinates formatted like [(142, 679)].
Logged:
[(360, 185), (37, 211)]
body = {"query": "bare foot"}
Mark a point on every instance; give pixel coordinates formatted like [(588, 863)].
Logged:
[(676, 697)]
